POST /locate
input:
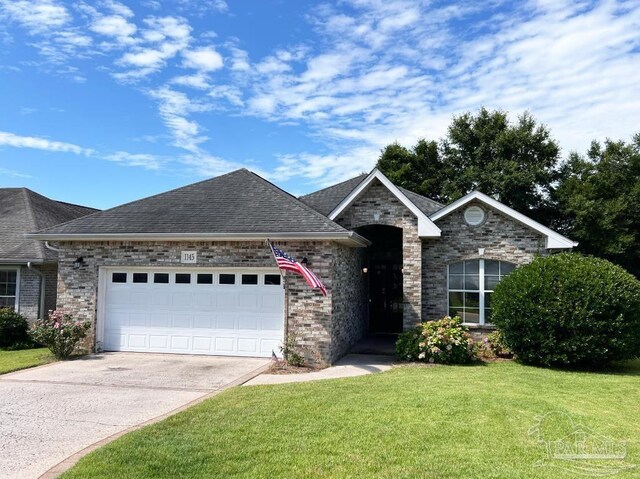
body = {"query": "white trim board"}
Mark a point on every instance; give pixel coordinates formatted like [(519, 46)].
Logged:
[(553, 240), (426, 227)]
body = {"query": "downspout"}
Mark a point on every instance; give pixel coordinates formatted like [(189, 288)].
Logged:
[(42, 289), (46, 243)]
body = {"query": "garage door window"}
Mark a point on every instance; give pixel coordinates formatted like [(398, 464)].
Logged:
[(249, 279), (205, 278), (183, 278), (119, 278), (140, 277), (272, 279), (161, 278), (227, 279)]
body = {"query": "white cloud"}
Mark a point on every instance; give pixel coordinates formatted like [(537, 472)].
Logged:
[(144, 160), (13, 173), (114, 26), (36, 15), (199, 81), (17, 141), (205, 59)]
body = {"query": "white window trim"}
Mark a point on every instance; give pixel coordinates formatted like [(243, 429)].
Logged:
[(481, 291), (17, 269)]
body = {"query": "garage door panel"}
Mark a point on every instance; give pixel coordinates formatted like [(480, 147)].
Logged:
[(205, 318)]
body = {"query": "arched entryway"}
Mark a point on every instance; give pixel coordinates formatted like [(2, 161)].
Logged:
[(384, 276)]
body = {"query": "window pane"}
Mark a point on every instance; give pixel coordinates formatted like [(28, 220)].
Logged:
[(119, 278), (249, 279), (471, 267), (456, 281), (472, 282), (471, 300), (139, 277), (506, 268), (456, 268), (471, 315), (272, 279), (490, 282), (205, 278), (162, 278), (453, 312), (3, 289), (487, 300), (227, 279), (456, 300), (3, 276), (7, 302), (183, 278), (12, 276), (491, 267)]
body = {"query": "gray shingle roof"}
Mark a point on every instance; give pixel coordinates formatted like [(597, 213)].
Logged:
[(239, 202), (326, 200), (23, 211)]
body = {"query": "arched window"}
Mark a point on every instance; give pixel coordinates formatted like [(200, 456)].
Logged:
[(471, 283)]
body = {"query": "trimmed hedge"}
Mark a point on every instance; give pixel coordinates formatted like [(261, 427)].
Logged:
[(14, 329), (569, 310)]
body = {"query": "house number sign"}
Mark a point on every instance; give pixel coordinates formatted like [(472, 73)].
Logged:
[(189, 257)]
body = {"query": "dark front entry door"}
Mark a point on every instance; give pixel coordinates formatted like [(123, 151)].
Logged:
[(385, 297)]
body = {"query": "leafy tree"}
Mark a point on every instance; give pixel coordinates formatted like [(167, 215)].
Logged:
[(600, 198), (515, 161)]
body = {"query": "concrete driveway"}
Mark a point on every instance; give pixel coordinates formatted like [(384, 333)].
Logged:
[(52, 412)]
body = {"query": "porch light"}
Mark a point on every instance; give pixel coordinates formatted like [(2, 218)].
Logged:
[(376, 216), (305, 261), (78, 262), (365, 269)]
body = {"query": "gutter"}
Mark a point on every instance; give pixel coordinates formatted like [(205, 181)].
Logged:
[(349, 238), (42, 289)]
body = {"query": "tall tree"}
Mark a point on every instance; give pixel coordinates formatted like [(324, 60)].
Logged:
[(516, 162), (600, 197)]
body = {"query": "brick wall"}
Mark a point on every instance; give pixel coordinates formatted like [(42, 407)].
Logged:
[(379, 200), (309, 313), (501, 237), (29, 294)]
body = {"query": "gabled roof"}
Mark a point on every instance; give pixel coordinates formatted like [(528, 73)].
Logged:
[(553, 240), (237, 206), (326, 200), (23, 211), (426, 227)]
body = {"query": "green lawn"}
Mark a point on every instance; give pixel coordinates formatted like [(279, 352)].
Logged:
[(411, 422), (24, 358)]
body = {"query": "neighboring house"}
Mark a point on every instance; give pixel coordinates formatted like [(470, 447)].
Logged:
[(189, 271), (28, 269)]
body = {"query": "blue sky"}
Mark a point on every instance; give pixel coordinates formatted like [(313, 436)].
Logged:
[(106, 102)]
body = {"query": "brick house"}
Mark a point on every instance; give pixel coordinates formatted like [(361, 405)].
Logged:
[(189, 270), (28, 269)]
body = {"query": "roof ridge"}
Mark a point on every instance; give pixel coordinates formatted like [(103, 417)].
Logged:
[(29, 203), (297, 202), (421, 196)]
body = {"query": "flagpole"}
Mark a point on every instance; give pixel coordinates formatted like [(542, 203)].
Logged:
[(286, 296)]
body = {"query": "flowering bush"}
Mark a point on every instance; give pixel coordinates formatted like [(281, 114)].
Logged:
[(60, 333), (444, 341), (13, 329), (495, 341)]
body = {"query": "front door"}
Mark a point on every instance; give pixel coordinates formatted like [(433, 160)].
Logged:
[(385, 297)]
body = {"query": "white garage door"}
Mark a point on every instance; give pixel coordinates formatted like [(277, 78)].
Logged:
[(222, 312)]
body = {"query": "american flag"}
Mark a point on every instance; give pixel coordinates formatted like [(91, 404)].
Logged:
[(287, 263)]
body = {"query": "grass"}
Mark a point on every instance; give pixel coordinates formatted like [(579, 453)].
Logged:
[(411, 422), (24, 358)]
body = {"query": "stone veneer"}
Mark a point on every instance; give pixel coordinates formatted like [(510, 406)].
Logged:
[(323, 327), (30, 288), (378, 199), (501, 237)]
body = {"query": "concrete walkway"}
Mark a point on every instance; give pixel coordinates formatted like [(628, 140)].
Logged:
[(349, 366), (50, 413)]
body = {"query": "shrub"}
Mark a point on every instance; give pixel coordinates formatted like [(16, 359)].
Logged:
[(495, 342), (14, 329), (444, 341), (60, 333), (569, 309), (290, 352)]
